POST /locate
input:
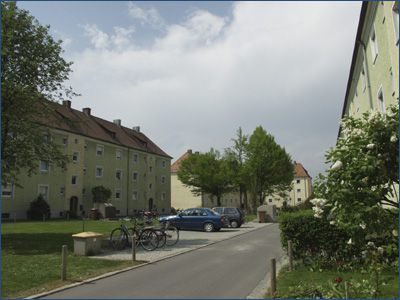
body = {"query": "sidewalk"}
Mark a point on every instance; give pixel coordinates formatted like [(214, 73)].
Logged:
[(188, 241)]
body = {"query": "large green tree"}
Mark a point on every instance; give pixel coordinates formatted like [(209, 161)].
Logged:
[(268, 167), (32, 73), (207, 173)]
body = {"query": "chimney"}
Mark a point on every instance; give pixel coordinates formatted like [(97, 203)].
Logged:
[(86, 111), (117, 121), (136, 128), (189, 151), (67, 103)]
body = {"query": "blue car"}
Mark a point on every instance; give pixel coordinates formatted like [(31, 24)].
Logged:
[(196, 218)]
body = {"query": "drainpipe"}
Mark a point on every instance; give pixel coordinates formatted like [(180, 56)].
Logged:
[(365, 64)]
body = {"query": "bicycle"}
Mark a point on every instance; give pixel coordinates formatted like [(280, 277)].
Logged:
[(167, 234), (122, 236)]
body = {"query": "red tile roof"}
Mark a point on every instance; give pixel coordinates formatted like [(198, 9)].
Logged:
[(74, 121), (300, 171), (177, 164)]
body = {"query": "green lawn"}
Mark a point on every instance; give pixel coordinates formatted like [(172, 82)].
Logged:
[(302, 276), (250, 218), (31, 255)]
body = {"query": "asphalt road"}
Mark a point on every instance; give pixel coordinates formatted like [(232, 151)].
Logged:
[(228, 269)]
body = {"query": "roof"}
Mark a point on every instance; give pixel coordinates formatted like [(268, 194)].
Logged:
[(177, 164), (83, 123), (300, 171)]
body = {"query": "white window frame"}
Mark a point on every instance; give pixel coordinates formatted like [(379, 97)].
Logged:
[(380, 98), (62, 191), (137, 176), (135, 157), (98, 147), (65, 141), (45, 197), (118, 154), (163, 164), (102, 172), (47, 164), (77, 156), (135, 195), (395, 15), (8, 189), (374, 44), (116, 172), (120, 194)]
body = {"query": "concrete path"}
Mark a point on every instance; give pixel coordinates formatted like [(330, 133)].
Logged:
[(227, 269)]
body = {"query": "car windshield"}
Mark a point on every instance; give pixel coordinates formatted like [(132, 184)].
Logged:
[(212, 212)]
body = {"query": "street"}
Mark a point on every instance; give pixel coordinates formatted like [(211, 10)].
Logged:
[(228, 269)]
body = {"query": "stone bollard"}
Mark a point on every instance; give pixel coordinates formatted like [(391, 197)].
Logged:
[(273, 277), (133, 248), (64, 253)]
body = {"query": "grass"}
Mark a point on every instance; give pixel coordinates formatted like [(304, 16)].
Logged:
[(302, 275), (31, 256), (250, 218)]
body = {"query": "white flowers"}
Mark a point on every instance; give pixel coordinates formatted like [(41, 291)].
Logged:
[(318, 206), (380, 250), (332, 222), (394, 232), (371, 244), (349, 242), (337, 165), (393, 139), (363, 226), (370, 146)]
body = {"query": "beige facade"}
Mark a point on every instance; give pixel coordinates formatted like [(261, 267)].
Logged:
[(181, 195)]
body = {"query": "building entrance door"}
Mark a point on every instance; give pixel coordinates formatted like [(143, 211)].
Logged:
[(150, 204), (73, 205)]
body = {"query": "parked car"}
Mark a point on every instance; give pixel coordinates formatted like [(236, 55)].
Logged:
[(234, 215), (196, 218)]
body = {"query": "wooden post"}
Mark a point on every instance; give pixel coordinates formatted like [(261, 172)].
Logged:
[(133, 248), (273, 277), (64, 253), (290, 253)]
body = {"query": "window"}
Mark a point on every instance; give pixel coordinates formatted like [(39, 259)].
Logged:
[(374, 45), (46, 138), (84, 171), (62, 191), (43, 189), (6, 191), (135, 196), (44, 166), (118, 174), (99, 172), (230, 211), (395, 12), (298, 199), (135, 176), (74, 180), (381, 101), (65, 141), (150, 169), (75, 157), (163, 196), (83, 191), (163, 164), (76, 141), (162, 179), (118, 194), (298, 181), (269, 200), (135, 158), (99, 150), (118, 154), (392, 81), (150, 186), (298, 190), (364, 79)]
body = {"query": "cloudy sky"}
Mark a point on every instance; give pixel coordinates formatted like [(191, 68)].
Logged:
[(191, 73)]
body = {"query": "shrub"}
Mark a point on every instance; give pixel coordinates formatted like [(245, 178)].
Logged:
[(38, 208), (101, 194), (315, 238)]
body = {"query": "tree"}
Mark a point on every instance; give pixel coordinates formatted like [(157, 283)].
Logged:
[(207, 173), (362, 183), (32, 73), (269, 168), (39, 209), (237, 155), (101, 194)]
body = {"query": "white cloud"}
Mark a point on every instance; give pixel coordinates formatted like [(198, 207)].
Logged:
[(206, 77), (146, 16), (98, 38), (122, 36)]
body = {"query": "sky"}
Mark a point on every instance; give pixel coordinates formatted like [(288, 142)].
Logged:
[(191, 73)]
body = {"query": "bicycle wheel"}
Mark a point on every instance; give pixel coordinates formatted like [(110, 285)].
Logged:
[(162, 238), (172, 235), (118, 239), (148, 239), (132, 232)]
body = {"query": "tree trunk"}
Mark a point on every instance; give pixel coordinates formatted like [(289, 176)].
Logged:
[(218, 200), (245, 200), (261, 199), (241, 197)]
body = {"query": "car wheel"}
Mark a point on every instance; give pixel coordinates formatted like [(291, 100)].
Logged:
[(234, 224), (208, 227)]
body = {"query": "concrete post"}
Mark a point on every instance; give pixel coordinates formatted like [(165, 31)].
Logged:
[(133, 248), (273, 277), (64, 253), (290, 253)]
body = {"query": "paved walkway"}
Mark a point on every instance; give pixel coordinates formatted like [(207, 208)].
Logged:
[(188, 240)]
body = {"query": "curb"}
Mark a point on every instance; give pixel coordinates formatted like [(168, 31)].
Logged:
[(262, 287), (65, 287)]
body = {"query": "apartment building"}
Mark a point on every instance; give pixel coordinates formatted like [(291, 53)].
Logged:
[(103, 153), (373, 82)]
